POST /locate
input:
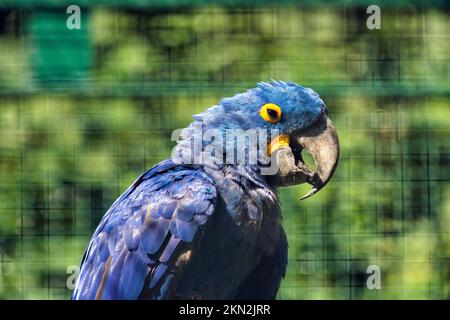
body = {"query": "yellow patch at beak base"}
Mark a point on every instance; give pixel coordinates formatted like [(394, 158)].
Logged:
[(277, 143)]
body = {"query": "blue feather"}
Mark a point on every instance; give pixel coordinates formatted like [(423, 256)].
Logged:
[(157, 275), (154, 232), (133, 276)]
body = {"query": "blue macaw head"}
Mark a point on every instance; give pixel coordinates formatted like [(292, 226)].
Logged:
[(300, 119), (299, 107)]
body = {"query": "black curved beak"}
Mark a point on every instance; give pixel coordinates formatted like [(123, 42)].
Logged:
[(322, 142)]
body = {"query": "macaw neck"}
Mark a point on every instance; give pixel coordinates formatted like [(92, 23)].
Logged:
[(244, 193), (247, 176), (228, 163), (191, 153)]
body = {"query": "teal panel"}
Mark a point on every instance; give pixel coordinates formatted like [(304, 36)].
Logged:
[(58, 54)]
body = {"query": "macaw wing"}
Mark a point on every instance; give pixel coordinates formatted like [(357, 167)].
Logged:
[(140, 241)]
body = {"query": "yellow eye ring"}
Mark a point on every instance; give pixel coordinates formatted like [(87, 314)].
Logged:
[(270, 112)]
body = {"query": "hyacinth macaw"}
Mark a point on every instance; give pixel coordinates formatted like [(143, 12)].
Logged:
[(212, 231)]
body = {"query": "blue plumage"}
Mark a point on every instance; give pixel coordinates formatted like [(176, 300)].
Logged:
[(135, 228), (183, 231)]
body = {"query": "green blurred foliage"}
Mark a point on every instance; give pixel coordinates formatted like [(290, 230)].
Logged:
[(66, 154)]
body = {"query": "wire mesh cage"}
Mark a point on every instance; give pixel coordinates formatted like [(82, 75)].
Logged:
[(84, 112)]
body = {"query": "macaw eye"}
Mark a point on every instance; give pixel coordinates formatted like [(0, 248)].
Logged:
[(270, 112)]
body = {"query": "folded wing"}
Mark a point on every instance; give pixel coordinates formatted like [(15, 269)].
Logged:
[(142, 241)]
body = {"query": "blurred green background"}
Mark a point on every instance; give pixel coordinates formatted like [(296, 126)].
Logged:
[(84, 112)]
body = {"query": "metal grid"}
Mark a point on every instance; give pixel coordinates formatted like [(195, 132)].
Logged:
[(69, 148)]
